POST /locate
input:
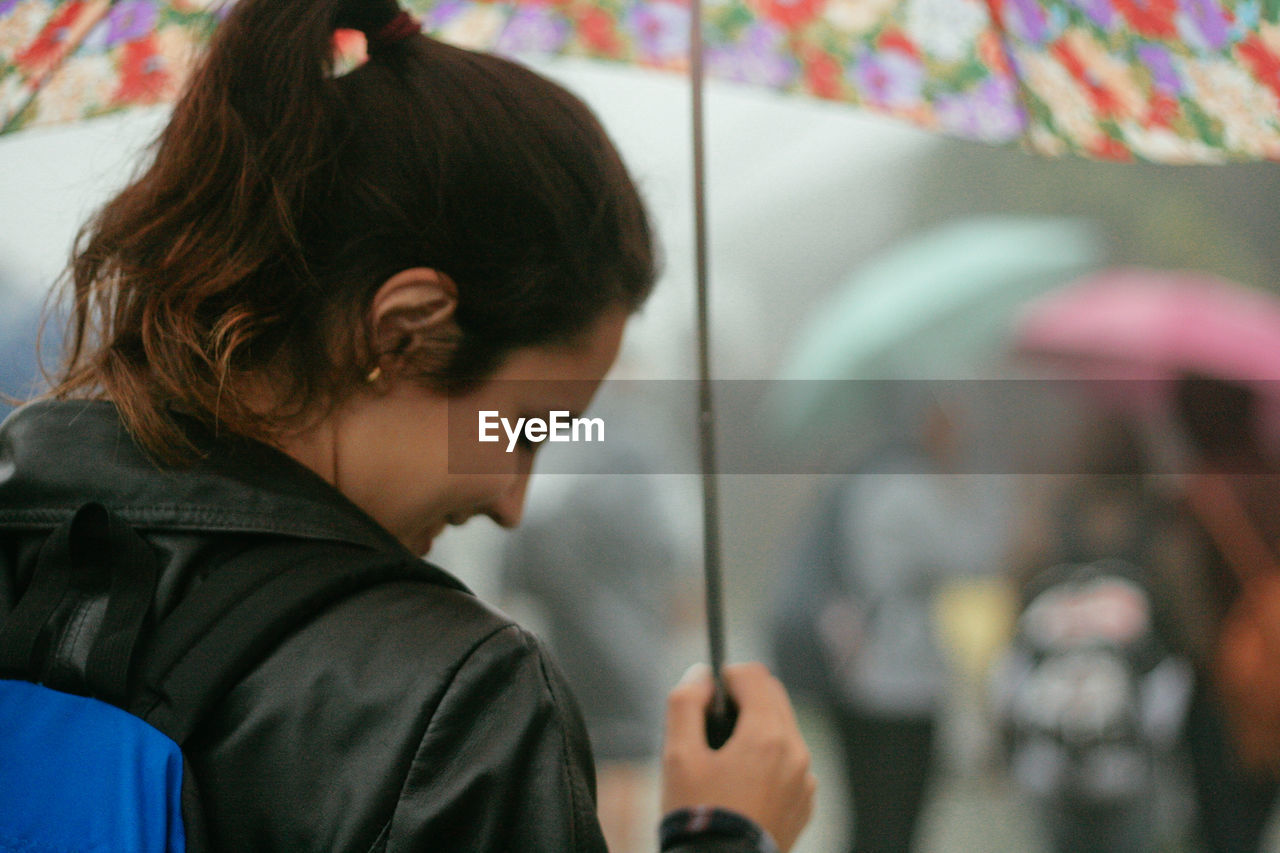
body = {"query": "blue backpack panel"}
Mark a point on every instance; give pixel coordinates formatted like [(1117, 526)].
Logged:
[(86, 776)]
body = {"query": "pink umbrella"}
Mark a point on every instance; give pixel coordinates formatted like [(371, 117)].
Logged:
[(1146, 327), (1155, 324)]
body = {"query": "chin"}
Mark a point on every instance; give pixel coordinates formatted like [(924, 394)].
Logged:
[(421, 545)]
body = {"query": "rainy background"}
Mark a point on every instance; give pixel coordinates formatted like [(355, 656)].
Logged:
[(803, 197)]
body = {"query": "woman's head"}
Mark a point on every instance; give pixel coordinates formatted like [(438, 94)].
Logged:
[(281, 199), (413, 458)]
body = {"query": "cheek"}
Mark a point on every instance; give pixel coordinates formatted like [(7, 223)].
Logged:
[(475, 475), (485, 488), (469, 456)]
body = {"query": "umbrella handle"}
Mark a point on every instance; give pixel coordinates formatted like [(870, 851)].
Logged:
[(722, 715)]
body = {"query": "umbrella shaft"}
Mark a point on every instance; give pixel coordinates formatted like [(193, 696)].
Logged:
[(711, 542), (706, 420)]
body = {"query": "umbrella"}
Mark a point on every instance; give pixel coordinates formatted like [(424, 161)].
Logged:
[(937, 307), (1129, 332), (1155, 324), (1158, 80)]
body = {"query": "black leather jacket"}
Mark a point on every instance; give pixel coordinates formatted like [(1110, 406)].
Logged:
[(409, 717)]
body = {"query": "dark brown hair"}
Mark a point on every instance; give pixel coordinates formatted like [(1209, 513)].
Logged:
[(1219, 417), (280, 197)]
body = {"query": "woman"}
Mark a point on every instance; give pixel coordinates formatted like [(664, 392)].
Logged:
[(273, 326)]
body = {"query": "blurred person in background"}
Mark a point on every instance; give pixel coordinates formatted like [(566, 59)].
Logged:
[(1089, 696), (879, 549), (1228, 520), (598, 566)]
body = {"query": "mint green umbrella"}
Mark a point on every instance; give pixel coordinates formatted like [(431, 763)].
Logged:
[(939, 306)]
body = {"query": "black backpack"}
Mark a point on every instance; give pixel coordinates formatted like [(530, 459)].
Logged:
[(95, 762), (1088, 694)]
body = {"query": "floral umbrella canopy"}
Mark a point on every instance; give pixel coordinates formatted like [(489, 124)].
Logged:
[(1176, 81)]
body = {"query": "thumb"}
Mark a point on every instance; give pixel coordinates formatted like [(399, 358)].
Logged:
[(687, 706)]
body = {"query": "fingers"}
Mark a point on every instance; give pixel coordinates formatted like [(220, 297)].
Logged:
[(762, 702), (761, 698)]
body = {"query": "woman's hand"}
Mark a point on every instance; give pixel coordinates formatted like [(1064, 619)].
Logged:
[(761, 772)]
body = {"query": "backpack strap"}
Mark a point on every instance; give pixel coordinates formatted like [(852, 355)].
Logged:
[(90, 554), (242, 611), (232, 619)]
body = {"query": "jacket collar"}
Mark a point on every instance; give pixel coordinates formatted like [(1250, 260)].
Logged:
[(58, 455)]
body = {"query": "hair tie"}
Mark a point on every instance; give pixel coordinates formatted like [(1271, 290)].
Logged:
[(400, 27)]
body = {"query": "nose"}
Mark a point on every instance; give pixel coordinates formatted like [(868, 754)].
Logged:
[(508, 508)]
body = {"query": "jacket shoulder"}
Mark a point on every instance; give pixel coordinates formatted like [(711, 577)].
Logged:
[(504, 763), (408, 711)]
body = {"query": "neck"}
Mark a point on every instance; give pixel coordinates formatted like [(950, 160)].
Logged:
[(316, 447)]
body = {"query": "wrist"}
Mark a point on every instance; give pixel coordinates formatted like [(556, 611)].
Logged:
[(684, 825)]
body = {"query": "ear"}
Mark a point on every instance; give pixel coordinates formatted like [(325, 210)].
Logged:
[(412, 313)]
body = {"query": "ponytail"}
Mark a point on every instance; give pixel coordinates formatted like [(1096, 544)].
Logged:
[(280, 197)]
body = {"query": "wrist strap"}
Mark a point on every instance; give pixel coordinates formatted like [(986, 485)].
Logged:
[(700, 822)]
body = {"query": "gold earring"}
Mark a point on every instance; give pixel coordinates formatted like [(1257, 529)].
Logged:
[(374, 375)]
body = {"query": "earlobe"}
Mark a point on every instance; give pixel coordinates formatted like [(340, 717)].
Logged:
[(412, 315)]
